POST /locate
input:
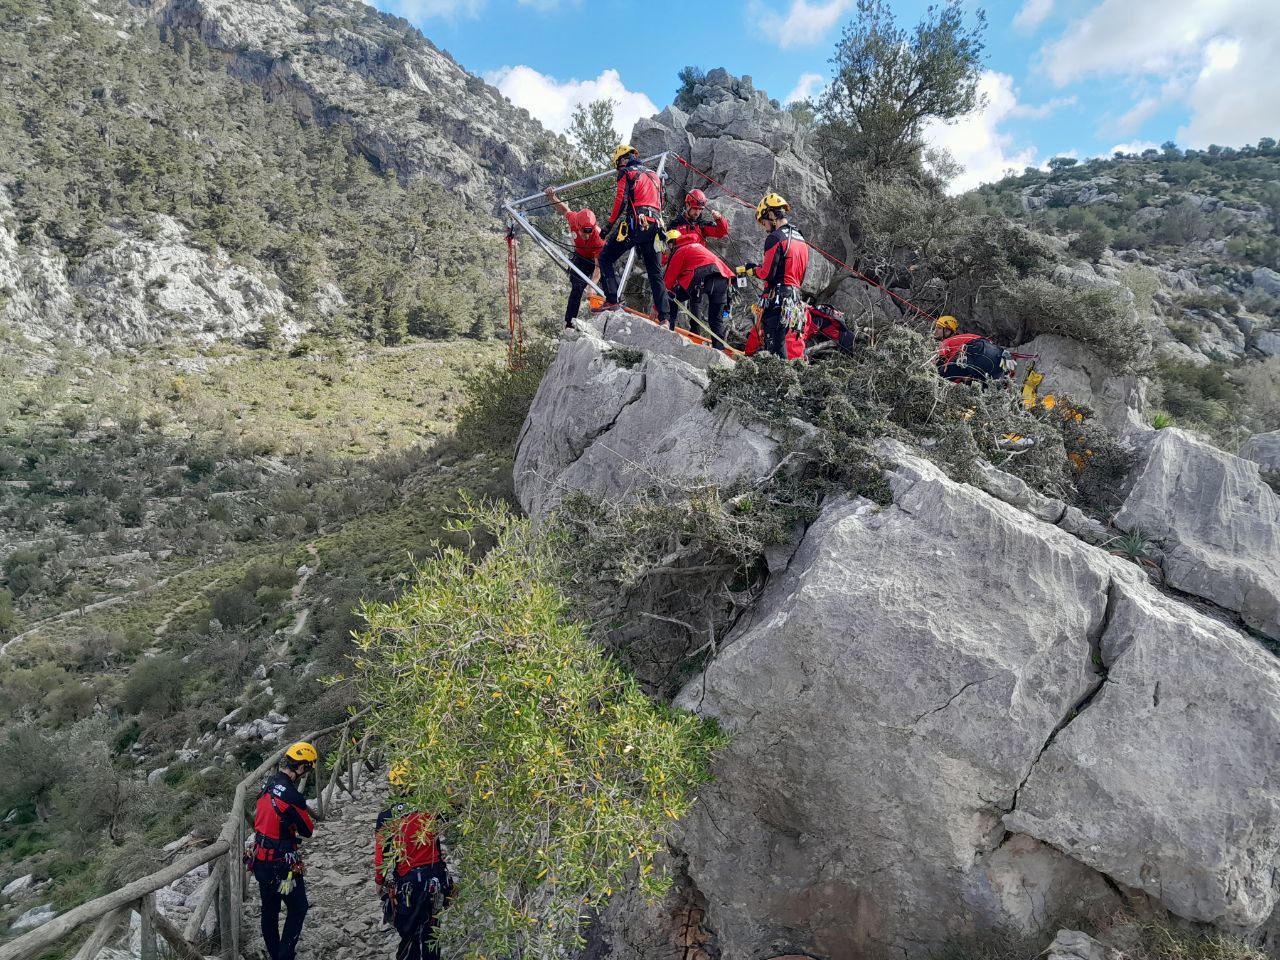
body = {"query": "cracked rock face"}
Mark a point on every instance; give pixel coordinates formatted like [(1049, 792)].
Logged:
[(886, 702), (1219, 524), (1168, 782), (948, 717), (607, 423), (1074, 370)]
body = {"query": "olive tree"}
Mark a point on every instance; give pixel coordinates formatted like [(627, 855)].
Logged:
[(888, 83)]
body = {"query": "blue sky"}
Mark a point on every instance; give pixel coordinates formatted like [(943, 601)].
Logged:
[(1074, 77)]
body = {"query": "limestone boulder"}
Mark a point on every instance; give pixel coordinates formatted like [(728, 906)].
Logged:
[(620, 411), (1218, 523), (1072, 369), (1264, 450), (886, 698), (1166, 781)]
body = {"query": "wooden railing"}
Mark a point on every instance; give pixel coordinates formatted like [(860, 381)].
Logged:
[(224, 886)]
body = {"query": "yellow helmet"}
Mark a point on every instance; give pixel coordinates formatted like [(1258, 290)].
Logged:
[(771, 201), (302, 752), (673, 236), (622, 150), (398, 775), (948, 322)]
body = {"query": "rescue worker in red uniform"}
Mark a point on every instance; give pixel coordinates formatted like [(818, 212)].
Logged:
[(693, 218), (968, 357), (409, 868), (786, 261), (693, 270), (635, 221), (280, 821), (587, 244)]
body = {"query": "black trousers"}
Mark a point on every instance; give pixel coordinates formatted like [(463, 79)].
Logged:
[(280, 946), (576, 286), (642, 240), (412, 913), (775, 332), (716, 288)]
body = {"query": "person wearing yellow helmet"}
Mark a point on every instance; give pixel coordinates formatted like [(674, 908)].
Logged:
[(634, 222), (969, 357), (786, 262), (410, 870), (281, 820)]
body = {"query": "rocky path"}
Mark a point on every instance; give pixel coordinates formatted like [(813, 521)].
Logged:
[(345, 919)]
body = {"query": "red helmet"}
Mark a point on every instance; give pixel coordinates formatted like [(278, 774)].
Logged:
[(695, 198)]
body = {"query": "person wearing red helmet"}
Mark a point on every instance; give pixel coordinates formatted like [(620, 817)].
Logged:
[(693, 218), (587, 244), (693, 270)]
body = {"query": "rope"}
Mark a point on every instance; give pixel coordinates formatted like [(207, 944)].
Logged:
[(830, 256)]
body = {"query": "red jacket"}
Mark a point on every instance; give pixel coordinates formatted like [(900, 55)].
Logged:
[(689, 256), (280, 818), (646, 191), (405, 837), (949, 348), (784, 242), (719, 226), (586, 242)]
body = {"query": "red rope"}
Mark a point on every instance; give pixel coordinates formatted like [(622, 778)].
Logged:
[(829, 256)]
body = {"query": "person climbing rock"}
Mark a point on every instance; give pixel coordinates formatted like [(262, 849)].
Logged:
[(969, 357), (693, 270), (693, 218), (635, 221), (786, 261), (281, 821), (409, 868), (587, 244)]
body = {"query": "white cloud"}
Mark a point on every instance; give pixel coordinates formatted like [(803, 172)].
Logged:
[(807, 87), (1134, 146), (976, 141), (804, 23), (417, 10), (1031, 15), (552, 101), (1216, 58), (1043, 110)]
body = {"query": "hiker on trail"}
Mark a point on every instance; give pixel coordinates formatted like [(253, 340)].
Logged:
[(968, 357), (786, 260), (635, 221), (693, 270), (587, 244), (693, 219), (280, 821), (409, 868)]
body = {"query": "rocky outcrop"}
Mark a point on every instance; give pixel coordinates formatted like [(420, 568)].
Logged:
[(411, 107), (1218, 522), (951, 714), (739, 136), (611, 421)]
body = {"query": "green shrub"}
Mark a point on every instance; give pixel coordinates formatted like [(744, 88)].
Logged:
[(1095, 317), (34, 764), (498, 400), (155, 686), (1203, 396), (558, 778)]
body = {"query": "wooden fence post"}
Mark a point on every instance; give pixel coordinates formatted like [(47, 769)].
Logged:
[(146, 908)]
